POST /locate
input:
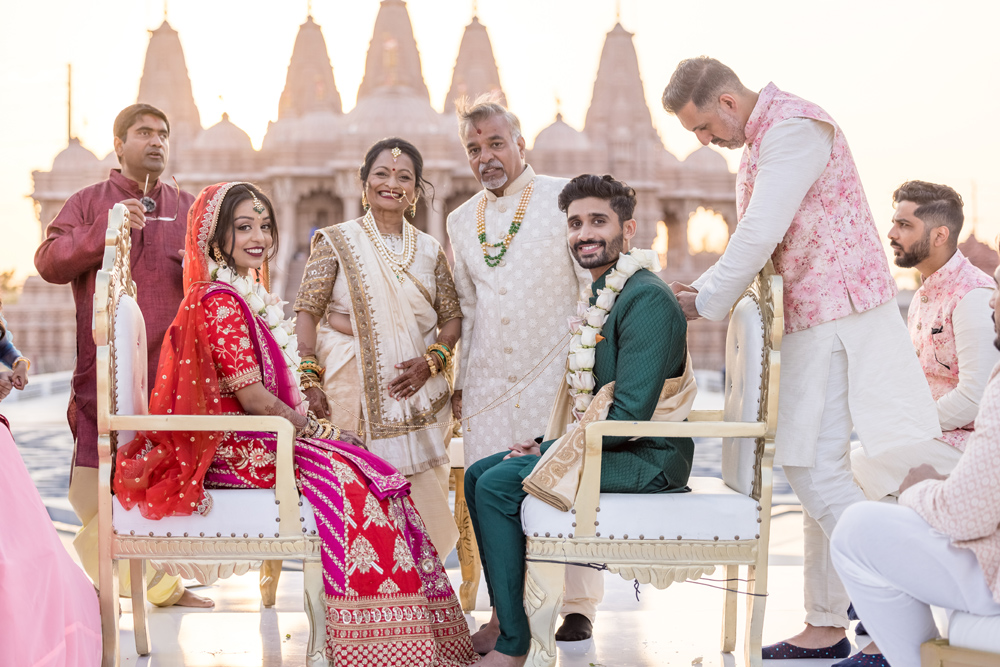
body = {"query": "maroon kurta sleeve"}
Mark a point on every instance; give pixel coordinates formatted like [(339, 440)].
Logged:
[(74, 243)]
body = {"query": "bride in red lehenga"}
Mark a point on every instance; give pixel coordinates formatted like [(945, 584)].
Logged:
[(229, 351)]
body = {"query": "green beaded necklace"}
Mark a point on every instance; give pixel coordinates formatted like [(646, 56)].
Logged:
[(522, 206)]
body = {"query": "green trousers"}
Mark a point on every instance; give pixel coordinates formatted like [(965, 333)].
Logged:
[(494, 494)]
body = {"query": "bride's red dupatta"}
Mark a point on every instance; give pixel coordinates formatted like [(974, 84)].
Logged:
[(163, 472)]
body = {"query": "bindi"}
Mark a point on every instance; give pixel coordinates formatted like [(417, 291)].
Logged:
[(478, 131)]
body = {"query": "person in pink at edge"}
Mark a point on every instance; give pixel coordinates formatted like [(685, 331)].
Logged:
[(951, 333), (948, 530), (48, 608), (846, 357)]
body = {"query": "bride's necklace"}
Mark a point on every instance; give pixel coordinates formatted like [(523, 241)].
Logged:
[(398, 262)]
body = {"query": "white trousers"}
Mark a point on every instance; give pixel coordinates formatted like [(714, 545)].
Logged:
[(584, 591), (839, 479), (895, 566), (826, 490)]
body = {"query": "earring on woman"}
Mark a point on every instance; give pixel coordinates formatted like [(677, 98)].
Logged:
[(217, 256), (413, 208), (364, 199)]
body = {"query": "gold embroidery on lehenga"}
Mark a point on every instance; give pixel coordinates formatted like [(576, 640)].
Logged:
[(362, 557), (402, 556), (373, 513)]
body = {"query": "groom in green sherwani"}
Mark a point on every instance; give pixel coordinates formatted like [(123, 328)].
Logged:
[(642, 343)]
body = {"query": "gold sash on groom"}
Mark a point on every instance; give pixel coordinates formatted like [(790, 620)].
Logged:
[(555, 480)]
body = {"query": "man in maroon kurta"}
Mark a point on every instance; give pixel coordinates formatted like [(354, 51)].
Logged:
[(72, 253)]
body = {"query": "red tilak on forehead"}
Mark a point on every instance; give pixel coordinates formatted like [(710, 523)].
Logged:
[(478, 131)]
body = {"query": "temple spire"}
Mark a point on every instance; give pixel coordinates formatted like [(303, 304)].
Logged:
[(393, 59), (165, 83), (475, 68), (309, 84), (619, 102)]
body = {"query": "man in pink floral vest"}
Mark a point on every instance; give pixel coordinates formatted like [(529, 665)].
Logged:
[(951, 326), (846, 357)]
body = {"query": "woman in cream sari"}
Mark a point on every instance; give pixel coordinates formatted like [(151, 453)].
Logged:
[(378, 319)]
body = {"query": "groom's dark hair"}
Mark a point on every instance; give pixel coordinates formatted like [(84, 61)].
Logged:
[(617, 193)]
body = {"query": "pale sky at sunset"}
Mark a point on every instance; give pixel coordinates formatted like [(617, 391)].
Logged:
[(912, 83)]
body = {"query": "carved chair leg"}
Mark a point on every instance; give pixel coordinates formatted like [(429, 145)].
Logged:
[(729, 609), (270, 571), (108, 593), (468, 550), (140, 619), (312, 572), (756, 583), (543, 594)]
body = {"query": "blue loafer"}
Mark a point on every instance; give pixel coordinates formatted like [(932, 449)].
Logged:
[(786, 651), (863, 660)]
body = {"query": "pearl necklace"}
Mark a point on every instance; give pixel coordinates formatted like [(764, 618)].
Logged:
[(522, 207), (398, 262), (587, 325)]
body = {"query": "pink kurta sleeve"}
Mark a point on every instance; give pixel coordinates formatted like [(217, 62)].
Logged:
[(966, 506), (232, 351)]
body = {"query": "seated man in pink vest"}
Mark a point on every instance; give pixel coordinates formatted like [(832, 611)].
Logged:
[(948, 530), (846, 358), (951, 326)]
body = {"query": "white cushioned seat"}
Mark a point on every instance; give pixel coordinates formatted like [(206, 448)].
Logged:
[(979, 633), (711, 511), (235, 512)]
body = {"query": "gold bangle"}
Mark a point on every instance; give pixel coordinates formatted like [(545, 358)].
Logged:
[(25, 360), (429, 358)]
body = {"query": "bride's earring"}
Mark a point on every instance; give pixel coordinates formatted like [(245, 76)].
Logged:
[(217, 256), (413, 209)]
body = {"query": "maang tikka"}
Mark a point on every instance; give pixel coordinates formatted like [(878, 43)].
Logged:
[(258, 207)]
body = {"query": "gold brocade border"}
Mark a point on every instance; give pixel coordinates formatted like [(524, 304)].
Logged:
[(361, 305)]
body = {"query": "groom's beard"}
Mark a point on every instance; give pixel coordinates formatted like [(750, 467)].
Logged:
[(608, 255)]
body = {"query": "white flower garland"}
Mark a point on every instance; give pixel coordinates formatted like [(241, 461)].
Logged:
[(268, 307), (586, 326)]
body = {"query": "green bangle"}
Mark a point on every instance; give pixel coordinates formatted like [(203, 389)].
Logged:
[(444, 361)]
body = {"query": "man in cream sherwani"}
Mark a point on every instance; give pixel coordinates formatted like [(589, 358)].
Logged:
[(846, 355), (517, 284)]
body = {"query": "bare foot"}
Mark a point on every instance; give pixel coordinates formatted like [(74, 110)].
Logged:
[(817, 637), (189, 599), (871, 648), (485, 639), (496, 659)]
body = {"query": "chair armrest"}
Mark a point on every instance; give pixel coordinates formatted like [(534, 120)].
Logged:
[(706, 416), (589, 494), (285, 492), (689, 429)]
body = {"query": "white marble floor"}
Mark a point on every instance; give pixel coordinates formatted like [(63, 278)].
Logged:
[(678, 626)]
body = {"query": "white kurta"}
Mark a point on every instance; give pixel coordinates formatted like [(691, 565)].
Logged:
[(513, 314)]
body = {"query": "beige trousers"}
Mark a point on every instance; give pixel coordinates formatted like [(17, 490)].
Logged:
[(584, 591), (162, 589)]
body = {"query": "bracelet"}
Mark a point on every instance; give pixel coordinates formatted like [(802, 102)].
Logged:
[(431, 364), (444, 351), (25, 360), (309, 364), (444, 360), (306, 382)]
